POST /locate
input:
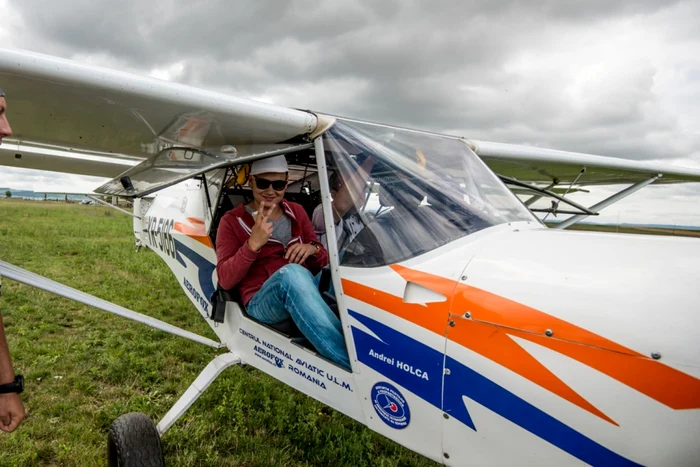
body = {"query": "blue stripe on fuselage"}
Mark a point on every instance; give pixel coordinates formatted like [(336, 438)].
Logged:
[(205, 268), (464, 382)]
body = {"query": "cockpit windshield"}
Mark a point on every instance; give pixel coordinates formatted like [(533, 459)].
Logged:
[(400, 193)]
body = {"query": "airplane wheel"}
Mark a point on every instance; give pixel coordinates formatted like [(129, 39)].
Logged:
[(133, 441)]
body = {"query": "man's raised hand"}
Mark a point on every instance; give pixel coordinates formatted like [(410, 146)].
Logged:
[(262, 230)]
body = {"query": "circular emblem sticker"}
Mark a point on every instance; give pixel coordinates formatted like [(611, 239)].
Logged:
[(391, 406)]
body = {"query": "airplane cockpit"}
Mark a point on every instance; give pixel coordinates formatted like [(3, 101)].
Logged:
[(411, 192)]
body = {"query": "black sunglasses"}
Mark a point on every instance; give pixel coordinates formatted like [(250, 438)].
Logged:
[(263, 184)]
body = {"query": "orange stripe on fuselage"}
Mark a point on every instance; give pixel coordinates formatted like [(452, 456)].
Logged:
[(495, 318), (488, 340), (196, 232)]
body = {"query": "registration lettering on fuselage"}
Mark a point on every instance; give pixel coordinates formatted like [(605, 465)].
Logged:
[(159, 234)]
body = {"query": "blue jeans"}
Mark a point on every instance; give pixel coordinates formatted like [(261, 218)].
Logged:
[(292, 291)]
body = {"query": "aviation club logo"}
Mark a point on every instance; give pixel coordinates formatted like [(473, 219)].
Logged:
[(391, 406)]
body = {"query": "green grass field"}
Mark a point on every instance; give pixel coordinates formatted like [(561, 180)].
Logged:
[(84, 367)]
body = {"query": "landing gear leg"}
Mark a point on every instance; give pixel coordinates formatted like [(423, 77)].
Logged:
[(198, 386), (134, 441)]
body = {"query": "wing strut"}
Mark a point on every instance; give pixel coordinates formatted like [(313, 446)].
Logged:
[(547, 192), (197, 388), (555, 205), (536, 198), (34, 280), (608, 201)]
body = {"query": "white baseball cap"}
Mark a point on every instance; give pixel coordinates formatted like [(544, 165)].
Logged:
[(275, 164)]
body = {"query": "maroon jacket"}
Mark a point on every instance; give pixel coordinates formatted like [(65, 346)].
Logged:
[(239, 266)]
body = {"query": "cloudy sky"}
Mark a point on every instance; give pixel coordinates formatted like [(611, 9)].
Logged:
[(604, 77)]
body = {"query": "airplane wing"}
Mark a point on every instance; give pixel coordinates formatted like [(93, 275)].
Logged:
[(552, 174), (74, 118), (548, 166)]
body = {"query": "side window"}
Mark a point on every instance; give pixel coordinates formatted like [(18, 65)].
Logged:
[(403, 193), (400, 221), (383, 216)]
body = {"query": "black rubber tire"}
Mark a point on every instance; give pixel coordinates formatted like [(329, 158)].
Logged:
[(133, 441)]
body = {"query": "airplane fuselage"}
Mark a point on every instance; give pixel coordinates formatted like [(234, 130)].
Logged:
[(515, 344)]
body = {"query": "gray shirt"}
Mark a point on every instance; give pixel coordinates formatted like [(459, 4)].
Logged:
[(281, 228)]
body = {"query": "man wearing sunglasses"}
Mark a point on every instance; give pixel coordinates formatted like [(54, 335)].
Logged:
[(269, 251)]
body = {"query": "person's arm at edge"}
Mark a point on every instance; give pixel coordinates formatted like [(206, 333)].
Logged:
[(11, 408), (7, 372)]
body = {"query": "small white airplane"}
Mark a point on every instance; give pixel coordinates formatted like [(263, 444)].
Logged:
[(477, 335)]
